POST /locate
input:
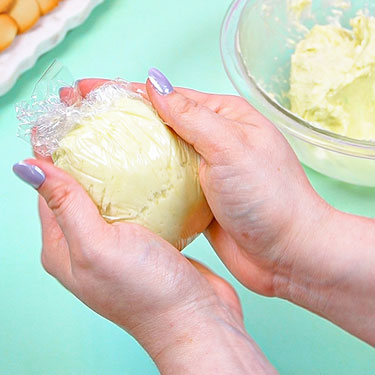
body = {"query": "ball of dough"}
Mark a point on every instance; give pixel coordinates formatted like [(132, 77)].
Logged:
[(46, 6), (5, 5), (136, 169), (26, 13), (8, 31)]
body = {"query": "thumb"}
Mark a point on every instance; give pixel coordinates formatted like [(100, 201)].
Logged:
[(75, 212), (209, 133)]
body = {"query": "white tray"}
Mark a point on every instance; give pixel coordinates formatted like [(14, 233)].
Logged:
[(46, 34)]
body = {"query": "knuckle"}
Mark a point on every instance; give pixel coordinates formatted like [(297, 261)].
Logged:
[(93, 257), (185, 107), (90, 264), (86, 259), (61, 199), (235, 102), (240, 101)]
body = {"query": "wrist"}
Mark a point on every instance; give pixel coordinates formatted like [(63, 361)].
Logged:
[(303, 260), (332, 271), (208, 342)]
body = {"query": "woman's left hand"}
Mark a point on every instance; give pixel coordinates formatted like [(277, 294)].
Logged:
[(176, 308)]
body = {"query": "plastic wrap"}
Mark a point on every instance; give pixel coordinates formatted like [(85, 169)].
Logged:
[(134, 167)]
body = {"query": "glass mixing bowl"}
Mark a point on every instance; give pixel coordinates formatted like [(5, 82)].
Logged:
[(258, 38)]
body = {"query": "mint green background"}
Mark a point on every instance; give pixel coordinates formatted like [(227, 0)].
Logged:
[(44, 330)]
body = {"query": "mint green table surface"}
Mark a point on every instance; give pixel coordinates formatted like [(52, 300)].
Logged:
[(44, 330)]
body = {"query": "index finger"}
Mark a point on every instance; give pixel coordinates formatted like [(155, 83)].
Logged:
[(225, 105), (72, 95), (229, 106)]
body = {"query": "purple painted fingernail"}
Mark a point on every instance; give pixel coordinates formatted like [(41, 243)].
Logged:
[(160, 81), (29, 173)]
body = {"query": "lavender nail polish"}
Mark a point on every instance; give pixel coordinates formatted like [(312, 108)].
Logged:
[(160, 81), (31, 174)]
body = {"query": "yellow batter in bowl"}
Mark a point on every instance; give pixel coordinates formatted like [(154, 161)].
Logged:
[(332, 81)]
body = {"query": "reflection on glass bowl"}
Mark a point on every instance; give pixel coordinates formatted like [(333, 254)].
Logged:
[(258, 38)]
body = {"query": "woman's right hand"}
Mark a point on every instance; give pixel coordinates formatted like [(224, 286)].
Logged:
[(272, 230), (255, 186)]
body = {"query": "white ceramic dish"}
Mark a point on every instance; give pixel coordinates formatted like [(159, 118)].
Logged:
[(46, 34)]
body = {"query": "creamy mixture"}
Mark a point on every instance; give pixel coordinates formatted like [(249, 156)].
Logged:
[(333, 78), (137, 170)]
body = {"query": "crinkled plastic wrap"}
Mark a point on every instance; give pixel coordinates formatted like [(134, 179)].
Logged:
[(131, 164)]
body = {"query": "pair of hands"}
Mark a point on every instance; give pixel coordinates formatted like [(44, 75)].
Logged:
[(267, 222)]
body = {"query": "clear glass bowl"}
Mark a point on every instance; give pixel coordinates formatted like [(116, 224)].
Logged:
[(257, 41)]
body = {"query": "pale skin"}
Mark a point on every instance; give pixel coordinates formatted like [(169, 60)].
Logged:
[(271, 229)]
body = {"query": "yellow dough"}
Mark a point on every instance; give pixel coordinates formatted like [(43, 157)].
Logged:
[(47, 5), (5, 5), (26, 13), (137, 170), (332, 82), (8, 31)]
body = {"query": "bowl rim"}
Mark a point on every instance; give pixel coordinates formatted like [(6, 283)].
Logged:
[(289, 122)]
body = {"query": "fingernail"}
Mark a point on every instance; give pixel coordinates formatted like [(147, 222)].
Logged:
[(65, 92), (160, 81), (29, 173)]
